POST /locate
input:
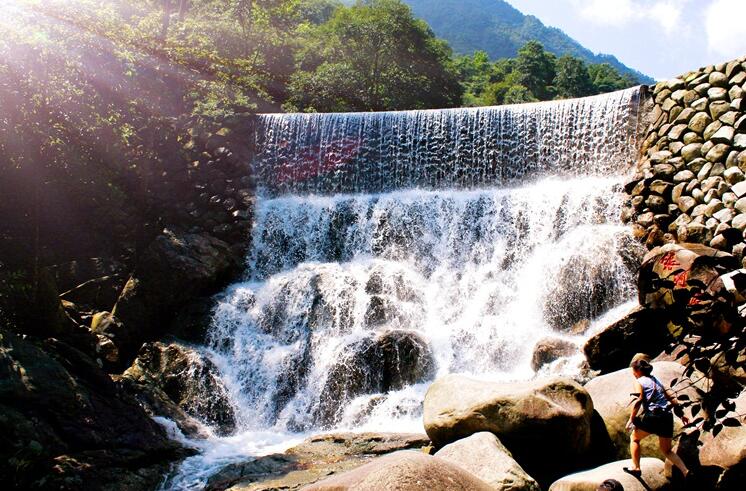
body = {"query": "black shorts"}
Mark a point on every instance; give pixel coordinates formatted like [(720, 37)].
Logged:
[(656, 423)]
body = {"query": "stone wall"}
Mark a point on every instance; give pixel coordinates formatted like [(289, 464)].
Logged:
[(222, 188), (690, 182)]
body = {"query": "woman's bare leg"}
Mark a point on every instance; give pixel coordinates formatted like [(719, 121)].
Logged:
[(666, 447), (634, 447)]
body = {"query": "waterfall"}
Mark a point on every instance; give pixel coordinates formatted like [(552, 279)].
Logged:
[(391, 248), (437, 149)]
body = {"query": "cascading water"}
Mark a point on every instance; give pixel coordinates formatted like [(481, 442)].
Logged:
[(354, 302), (439, 149)]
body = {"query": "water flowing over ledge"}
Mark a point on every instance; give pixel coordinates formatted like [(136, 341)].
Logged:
[(389, 249), (451, 148)]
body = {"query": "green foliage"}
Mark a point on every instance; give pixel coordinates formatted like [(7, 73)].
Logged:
[(573, 78), (373, 56), (535, 75), (536, 69), (606, 79)]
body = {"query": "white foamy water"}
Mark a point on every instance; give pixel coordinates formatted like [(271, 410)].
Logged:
[(354, 303)]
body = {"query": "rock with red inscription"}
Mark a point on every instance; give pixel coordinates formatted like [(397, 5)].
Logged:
[(687, 277)]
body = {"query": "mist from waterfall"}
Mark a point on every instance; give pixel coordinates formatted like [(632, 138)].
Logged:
[(391, 248)]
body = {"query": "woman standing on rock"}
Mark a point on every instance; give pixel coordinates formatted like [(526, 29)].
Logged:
[(656, 417)]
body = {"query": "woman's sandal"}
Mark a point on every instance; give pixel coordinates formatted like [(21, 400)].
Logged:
[(633, 472)]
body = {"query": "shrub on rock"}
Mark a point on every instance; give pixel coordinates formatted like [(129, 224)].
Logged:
[(669, 271), (389, 361), (533, 419), (727, 450)]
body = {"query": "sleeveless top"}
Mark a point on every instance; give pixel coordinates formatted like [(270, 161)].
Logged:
[(655, 398)]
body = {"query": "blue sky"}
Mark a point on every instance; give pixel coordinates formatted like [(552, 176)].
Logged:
[(661, 38)]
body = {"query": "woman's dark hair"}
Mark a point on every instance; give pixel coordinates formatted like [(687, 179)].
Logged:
[(643, 366), (610, 485)]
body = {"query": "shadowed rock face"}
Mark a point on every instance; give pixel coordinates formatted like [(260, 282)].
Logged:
[(525, 416), (175, 269), (641, 331), (65, 423), (189, 379)]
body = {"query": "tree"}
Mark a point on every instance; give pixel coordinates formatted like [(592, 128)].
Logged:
[(607, 79), (572, 79), (518, 94), (536, 69), (373, 56), (317, 11)]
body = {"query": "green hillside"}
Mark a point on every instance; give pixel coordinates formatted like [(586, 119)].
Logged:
[(499, 29)]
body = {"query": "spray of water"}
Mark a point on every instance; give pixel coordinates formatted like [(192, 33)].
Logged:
[(392, 248)]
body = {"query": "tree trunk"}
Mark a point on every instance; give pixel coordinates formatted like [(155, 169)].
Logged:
[(183, 9), (167, 8)]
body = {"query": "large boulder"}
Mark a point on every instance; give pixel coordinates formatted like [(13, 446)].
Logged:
[(189, 379), (66, 425), (612, 397), (407, 470), (525, 416), (652, 478), (640, 331), (549, 350), (588, 283), (173, 270), (669, 273), (312, 460), (387, 361), (727, 450), (483, 455)]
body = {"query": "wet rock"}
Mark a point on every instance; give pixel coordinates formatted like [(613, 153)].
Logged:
[(551, 349), (522, 415), (485, 457), (581, 287), (313, 460), (189, 379), (590, 480), (389, 361), (174, 270), (640, 331), (65, 423)]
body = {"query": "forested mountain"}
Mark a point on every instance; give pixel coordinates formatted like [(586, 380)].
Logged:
[(497, 28)]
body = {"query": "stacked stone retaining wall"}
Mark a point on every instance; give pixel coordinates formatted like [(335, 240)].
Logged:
[(690, 184)]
